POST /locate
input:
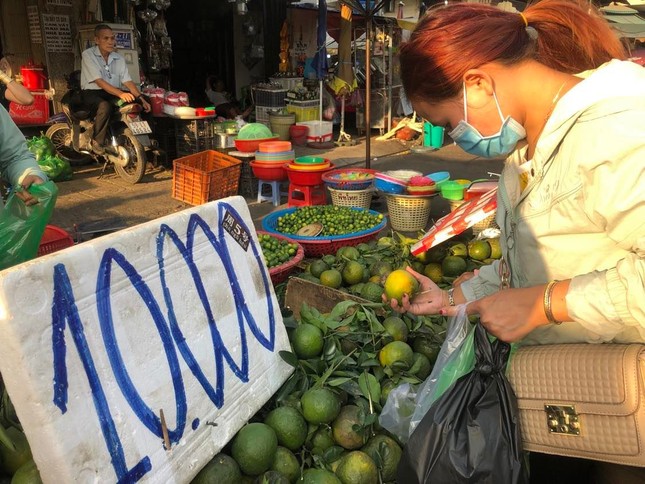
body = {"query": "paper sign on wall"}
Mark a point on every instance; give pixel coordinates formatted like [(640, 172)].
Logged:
[(58, 36), (170, 315), (35, 35)]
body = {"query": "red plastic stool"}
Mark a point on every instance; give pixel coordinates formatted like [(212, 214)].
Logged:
[(303, 195)]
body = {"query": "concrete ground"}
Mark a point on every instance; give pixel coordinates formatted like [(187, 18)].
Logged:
[(94, 204)]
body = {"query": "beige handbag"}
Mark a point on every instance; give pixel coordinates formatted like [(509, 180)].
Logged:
[(582, 400)]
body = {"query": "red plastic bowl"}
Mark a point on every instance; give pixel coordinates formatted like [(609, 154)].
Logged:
[(251, 145), (272, 173), (306, 178)]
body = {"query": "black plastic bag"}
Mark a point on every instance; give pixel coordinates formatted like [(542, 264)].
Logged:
[(471, 433)]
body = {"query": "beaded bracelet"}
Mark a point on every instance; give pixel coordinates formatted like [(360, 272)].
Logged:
[(548, 292)]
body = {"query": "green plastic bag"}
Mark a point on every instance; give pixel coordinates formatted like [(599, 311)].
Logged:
[(22, 227)]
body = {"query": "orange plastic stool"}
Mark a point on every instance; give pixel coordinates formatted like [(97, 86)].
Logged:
[(303, 195)]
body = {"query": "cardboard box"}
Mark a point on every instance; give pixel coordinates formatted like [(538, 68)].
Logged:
[(321, 297)]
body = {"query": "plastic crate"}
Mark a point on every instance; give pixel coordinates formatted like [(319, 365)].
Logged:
[(262, 114), (186, 145), (304, 110), (195, 127), (287, 83), (206, 176), (274, 98), (54, 239)]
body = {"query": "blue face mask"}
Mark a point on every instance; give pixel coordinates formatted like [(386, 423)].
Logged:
[(500, 144)]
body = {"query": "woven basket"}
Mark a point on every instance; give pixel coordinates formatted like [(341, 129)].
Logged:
[(487, 223), (351, 198), (408, 213)]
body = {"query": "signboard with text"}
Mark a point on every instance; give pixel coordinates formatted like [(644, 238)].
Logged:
[(175, 316), (58, 35)]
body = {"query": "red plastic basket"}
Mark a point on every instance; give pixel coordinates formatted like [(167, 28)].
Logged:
[(280, 273), (54, 239)]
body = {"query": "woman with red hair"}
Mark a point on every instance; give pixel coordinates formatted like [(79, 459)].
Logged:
[(550, 89), (547, 87)]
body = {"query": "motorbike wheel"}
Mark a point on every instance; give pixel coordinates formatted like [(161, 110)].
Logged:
[(133, 172), (61, 136)]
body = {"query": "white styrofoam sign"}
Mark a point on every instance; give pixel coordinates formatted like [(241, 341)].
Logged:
[(177, 314)]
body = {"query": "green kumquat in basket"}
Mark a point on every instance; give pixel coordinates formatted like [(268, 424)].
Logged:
[(276, 251)]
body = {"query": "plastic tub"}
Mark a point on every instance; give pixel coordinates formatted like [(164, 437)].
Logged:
[(306, 178), (280, 124), (250, 145), (274, 146), (452, 190), (298, 134), (309, 160), (274, 173)]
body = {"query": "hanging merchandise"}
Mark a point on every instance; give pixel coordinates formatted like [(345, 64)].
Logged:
[(157, 38)]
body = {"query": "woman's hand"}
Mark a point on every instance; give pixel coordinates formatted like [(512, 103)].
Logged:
[(429, 300), (509, 314), (24, 194)]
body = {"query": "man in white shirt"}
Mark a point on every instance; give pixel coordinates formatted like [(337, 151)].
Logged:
[(104, 78)]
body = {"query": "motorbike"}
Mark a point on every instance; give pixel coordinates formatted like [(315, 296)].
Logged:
[(130, 146)]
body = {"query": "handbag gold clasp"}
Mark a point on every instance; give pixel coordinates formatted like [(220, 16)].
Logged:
[(562, 419)]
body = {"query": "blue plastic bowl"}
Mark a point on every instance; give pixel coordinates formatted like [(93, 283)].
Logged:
[(388, 187), (439, 177)]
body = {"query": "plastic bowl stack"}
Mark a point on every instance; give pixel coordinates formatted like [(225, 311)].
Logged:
[(270, 160), (308, 170), (389, 184), (251, 135)]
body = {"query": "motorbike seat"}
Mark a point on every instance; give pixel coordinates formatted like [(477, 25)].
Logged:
[(74, 101)]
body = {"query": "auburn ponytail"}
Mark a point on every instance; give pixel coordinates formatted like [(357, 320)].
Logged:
[(567, 35)]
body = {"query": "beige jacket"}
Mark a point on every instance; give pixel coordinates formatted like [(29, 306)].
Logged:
[(582, 215)]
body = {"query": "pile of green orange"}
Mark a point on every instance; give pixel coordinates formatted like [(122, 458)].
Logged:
[(335, 220), (363, 270), (276, 251), (322, 425)]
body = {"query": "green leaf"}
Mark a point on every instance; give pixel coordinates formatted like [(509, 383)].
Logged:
[(370, 362), (352, 388), (341, 308), (375, 324), (334, 382), (370, 387), (288, 387), (333, 453), (5, 439), (289, 358)]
